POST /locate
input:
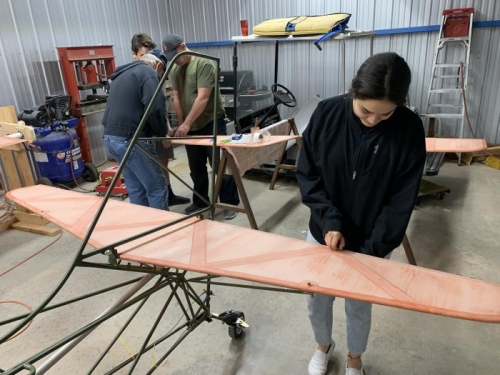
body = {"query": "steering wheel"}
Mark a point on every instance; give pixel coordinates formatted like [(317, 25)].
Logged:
[(283, 97)]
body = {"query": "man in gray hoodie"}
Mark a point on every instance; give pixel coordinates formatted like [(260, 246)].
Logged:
[(132, 87)]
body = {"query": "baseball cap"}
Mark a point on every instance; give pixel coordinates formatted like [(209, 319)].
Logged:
[(170, 44), (160, 55)]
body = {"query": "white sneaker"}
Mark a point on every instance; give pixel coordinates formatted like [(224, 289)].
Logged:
[(354, 371), (319, 361)]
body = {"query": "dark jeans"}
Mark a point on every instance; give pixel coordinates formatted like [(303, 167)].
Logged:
[(146, 183), (198, 156)]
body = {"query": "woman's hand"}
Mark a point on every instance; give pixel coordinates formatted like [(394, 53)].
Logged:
[(335, 240)]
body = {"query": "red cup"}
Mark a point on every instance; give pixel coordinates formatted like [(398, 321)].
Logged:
[(244, 27)]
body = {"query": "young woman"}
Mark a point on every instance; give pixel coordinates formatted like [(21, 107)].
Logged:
[(359, 172)]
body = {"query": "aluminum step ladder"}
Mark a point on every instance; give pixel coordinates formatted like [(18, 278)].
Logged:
[(447, 90)]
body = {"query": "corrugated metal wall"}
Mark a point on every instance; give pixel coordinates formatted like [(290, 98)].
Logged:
[(30, 30), (308, 71)]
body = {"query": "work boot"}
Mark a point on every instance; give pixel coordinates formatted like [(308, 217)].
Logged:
[(192, 208), (174, 200)]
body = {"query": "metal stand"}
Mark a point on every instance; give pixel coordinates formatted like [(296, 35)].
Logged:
[(446, 98), (86, 68)]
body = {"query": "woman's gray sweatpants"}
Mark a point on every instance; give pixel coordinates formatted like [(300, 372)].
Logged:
[(358, 318)]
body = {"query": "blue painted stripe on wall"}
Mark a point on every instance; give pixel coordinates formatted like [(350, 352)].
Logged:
[(210, 44), (421, 29), (494, 23), (407, 30), (403, 30)]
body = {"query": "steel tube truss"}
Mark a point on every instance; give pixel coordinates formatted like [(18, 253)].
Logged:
[(195, 307)]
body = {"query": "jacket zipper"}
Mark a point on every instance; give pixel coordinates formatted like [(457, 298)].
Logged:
[(356, 160)]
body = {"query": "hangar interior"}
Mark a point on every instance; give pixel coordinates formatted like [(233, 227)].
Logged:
[(58, 58)]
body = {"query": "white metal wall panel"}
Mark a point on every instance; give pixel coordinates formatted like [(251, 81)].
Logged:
[(9, 91), (30, 31), (485, 113), (308, 72), (180, 22), (30, 47), (22, 74)]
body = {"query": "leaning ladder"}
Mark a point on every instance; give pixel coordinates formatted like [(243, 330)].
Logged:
[(446, 96)]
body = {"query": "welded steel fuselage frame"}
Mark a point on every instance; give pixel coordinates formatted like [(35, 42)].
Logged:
[(173, 278)]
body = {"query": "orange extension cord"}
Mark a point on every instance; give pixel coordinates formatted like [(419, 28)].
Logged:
[(27, 326), (8, 207)]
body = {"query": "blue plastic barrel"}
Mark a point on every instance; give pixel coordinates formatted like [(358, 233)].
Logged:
[(58, 154)]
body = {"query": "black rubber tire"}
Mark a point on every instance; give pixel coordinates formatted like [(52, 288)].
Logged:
[(236, 332), (90, 173), (440, 196)]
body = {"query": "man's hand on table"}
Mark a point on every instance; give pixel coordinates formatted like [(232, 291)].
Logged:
[(182, 130)]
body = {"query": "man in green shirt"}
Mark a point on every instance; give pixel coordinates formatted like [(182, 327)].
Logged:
[(143, 44), (193, 80)]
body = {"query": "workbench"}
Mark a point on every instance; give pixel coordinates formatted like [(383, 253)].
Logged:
[(237, 158)]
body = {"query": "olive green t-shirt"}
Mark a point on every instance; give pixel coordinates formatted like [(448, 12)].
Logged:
[(187, 79)]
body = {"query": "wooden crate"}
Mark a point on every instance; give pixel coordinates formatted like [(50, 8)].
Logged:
[(17, 172), (14, 158), (16, 166)]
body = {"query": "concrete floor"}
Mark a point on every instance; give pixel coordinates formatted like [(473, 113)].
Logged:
[(458, 235)]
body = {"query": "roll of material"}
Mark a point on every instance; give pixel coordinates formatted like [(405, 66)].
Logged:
[(15, 135), (258, 138)]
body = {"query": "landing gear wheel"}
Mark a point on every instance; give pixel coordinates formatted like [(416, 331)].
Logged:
[(286, 98), (44, 181), (440, 195), (90, 173), (235, 331)]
